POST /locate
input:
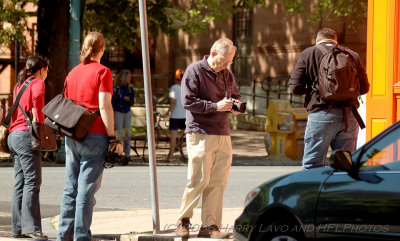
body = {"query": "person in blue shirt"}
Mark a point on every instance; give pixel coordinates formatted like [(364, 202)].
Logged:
[(122, 100)]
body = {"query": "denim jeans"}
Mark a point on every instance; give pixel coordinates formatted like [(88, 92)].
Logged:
[(28, 178), (324, 129), (123, 121), (83, 174)]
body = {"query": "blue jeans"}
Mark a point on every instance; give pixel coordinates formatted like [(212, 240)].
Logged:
[(28, 178), (83, 173), (123, 121), (326, 129)]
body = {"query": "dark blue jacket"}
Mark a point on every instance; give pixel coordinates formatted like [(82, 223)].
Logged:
[(118, 102)]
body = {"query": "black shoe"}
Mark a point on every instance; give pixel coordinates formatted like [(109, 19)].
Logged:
[(169, 159), (37, 236), (20, 236)]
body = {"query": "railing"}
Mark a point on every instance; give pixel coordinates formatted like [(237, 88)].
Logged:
[(259, 94), (160, 97), (160, 94), (281, 90)]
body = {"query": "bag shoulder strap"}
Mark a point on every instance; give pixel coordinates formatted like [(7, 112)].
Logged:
[(28, 121), (16, 103), (65, 86)]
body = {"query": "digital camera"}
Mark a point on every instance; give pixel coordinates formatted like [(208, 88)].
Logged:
[(113, 158), (238, 105)]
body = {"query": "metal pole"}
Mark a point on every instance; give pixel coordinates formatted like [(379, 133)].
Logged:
[(149, 116), (254, 97), (75, 33)]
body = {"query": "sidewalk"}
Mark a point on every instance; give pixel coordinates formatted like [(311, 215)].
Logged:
[(248, 149), (129, 225), (138, 225)]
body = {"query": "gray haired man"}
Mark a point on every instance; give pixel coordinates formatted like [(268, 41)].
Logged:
[(207, 87)]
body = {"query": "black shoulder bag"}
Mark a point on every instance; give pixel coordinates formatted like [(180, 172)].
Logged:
[(69, 117)]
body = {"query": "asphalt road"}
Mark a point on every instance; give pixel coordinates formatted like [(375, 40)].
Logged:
[(128, 188)]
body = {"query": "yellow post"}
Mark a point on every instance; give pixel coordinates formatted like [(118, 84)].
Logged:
[(295, 140), (279, 125)]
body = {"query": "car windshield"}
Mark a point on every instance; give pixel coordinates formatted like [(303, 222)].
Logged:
[(383, 154)]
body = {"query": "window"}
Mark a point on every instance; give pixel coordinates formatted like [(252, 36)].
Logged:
[(242, 30), (384, 151), (116, 54), (243, 24)]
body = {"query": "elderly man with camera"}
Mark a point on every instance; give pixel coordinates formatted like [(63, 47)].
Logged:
[(208, 95)]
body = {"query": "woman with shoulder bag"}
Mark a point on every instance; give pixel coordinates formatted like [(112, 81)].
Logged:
[(122, 100), (26, 219), (91, 84)]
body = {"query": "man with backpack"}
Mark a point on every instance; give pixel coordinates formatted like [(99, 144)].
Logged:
[(331, 77)]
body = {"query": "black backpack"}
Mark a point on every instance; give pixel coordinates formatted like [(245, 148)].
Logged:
[(337, 78), (337, 82)]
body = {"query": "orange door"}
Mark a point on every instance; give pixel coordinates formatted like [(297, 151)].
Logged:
[(382, 65), (397, 62)]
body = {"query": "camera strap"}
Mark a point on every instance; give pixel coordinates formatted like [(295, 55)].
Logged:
[(224, 74)]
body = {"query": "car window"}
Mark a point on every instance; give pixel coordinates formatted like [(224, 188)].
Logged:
[(392, 165), (384, 154)]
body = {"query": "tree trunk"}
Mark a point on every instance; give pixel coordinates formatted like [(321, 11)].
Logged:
[(53, 42)]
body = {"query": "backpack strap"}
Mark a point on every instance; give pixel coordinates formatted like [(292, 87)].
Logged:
[(341, 48), (357, 116), (323, 49)]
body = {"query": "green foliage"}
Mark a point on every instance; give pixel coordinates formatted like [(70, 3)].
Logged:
[(13, 20), (348, 12), (196, 16), (118, 20), (138, 130)]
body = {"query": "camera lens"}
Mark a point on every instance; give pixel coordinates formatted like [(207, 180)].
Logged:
[(239, 106)]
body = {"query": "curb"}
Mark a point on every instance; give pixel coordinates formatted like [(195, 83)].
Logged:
[(165, 237)]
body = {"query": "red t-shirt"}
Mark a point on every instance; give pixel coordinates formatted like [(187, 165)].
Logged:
[(33, 97), (84, 83)]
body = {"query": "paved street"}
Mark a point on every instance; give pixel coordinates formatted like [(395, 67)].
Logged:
[(128, 188)]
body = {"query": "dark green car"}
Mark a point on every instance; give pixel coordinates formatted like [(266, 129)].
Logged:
[(357, 197)]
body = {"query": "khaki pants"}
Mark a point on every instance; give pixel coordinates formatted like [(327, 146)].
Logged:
[(210, 158)]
